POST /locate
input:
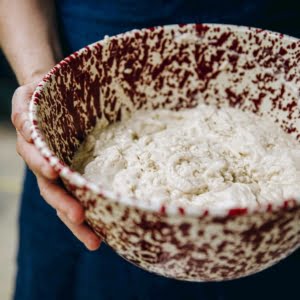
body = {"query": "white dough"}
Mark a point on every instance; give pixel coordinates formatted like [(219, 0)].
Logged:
[(209, 157)]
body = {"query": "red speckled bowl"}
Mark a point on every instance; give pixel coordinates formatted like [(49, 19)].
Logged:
[(170, 67)]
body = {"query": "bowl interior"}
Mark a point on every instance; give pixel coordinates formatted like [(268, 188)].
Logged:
[(170, 67)]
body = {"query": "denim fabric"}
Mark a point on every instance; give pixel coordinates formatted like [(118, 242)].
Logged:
[(84, 22)]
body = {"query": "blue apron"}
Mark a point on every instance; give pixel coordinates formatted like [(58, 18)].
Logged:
[(51, 263)]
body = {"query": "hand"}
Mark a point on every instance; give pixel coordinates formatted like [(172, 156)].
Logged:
[(68, 209)]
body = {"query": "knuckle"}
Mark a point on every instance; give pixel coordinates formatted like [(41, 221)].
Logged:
[(18, 119), (18, 91), (15, 117), (21, 92), (20, 97), (59, 213), (42, 193), (45, 193), (18, 147), (43, 168), (41, 187)]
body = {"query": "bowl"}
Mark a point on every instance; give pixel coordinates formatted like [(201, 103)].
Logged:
[(175, 67)]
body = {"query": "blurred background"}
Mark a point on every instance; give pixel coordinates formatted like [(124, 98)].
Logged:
[(11, 173)]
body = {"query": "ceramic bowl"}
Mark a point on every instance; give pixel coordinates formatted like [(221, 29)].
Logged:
[(175, 67)]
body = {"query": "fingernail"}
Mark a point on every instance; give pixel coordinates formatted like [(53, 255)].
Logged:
[(93, 244)]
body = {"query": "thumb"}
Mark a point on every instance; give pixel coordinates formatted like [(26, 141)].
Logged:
[(20, 103)]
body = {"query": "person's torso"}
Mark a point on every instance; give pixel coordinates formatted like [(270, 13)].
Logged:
[(141, 11), (86, 21)]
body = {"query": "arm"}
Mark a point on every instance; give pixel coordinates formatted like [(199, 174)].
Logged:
[(28, 37), (30, 42)]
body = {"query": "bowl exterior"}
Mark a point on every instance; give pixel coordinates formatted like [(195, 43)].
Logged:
[(189, 248), (175, 67)]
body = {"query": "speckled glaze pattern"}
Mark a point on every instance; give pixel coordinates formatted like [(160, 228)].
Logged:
[(175, 67)]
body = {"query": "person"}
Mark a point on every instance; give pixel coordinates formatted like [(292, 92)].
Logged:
[(51, 263)]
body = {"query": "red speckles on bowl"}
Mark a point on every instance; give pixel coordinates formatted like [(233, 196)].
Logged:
[(175, 67)]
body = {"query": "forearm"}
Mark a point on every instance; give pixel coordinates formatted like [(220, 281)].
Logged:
[(28, 37)]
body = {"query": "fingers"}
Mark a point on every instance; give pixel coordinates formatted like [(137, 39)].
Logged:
[(22, 124), (82, 232), (59, 199), (33, 158), (69, 211), (19, 115)]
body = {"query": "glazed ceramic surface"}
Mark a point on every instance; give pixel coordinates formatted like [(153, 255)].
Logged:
[(175, 67)]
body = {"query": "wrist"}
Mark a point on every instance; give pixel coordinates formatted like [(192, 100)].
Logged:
[(36, 75), (39, 67), (34, 63)]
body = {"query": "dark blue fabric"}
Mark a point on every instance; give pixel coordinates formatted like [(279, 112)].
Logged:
[(52, 264), (87, 21)]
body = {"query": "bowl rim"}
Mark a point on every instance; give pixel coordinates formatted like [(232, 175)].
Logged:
[(75, 179)]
